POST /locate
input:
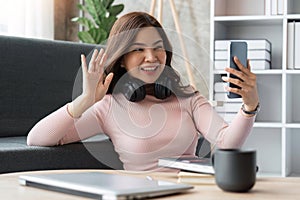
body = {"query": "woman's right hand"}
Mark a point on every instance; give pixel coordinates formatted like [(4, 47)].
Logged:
[(93, 85), (94, 88)]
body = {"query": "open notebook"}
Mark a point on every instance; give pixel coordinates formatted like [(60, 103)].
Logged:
[(102, 185)]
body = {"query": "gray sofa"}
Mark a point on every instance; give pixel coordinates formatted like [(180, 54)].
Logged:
[(37, 77)]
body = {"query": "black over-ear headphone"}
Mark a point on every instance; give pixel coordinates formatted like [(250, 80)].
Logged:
[(134, 89)]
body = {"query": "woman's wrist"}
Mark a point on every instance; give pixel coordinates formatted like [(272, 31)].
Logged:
[(78, 106), (250, 111)]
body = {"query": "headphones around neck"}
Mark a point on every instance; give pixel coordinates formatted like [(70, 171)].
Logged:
[(134, 89)]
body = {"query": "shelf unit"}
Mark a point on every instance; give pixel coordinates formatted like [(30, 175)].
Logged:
[(276, 132)]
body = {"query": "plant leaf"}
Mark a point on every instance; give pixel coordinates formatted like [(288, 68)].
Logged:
[(95, 9), (81, 7), (108, 23), (107, 3), (84, 22), (98, 34), (86, 37), (100, 19), (116, 9)]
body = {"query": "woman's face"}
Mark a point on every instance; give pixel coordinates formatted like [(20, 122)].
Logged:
[(146, 57)]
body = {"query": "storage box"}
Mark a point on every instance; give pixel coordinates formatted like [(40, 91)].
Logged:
[(252, 55), (252, 44), (255, 64), (259, 54)]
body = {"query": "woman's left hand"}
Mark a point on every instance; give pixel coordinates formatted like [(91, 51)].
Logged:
[(247, 84)]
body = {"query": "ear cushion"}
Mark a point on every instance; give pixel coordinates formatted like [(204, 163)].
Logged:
[(162, 88), (134, 90)]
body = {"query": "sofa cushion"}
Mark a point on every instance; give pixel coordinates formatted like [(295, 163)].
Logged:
[(16, 156), (36, 77)]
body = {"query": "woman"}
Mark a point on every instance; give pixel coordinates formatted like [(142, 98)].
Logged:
[(132, 94)]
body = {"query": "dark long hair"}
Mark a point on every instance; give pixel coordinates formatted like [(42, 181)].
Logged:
[(120, 39)]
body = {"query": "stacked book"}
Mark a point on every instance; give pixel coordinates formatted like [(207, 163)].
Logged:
[(293, 48), (230, 107), (259, 54), (274, 7)]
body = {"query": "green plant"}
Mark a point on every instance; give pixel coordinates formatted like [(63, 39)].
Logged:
[(102, 16)]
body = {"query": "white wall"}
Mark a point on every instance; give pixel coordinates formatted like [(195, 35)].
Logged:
[(194, 17)]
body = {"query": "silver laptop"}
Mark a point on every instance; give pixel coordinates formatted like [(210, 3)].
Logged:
[(104, 186)]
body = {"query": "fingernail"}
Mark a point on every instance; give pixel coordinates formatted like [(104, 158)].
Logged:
[(224, 78)]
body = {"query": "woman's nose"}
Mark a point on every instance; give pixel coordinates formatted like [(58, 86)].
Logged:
[(150, 55)]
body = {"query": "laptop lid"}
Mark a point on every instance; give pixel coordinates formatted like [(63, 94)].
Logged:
[(102, 185)]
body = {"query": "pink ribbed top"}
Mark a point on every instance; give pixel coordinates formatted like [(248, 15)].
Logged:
[(145, 131)]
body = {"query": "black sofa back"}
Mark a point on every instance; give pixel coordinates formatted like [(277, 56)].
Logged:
[(35, 82)]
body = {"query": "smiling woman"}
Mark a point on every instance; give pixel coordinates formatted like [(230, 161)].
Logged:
[(132, 93), (31, 18)]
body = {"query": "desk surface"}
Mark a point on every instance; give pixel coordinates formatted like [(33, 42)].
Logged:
[(265, 188)]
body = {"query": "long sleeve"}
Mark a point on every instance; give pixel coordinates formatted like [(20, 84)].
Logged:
[(216, 130), (60, 128), (50, 130), (237, 132)]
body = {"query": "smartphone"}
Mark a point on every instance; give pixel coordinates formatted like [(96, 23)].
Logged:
[(238, 49)]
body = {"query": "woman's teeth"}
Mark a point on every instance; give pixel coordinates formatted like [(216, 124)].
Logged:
[(149, 68)]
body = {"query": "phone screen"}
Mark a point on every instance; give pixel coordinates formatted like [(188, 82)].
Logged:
[(238, 49)]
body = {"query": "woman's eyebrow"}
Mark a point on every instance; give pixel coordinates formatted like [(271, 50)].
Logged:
[(143, 44)]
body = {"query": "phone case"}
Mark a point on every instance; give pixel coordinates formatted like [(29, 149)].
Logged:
[(238, 49)]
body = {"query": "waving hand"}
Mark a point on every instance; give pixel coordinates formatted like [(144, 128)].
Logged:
[(94, 87)]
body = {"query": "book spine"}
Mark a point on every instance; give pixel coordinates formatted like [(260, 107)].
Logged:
[(291, 45), (280, 6), (268, 7), (297, 46), (273, 7)]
